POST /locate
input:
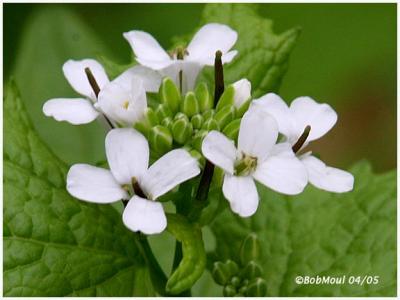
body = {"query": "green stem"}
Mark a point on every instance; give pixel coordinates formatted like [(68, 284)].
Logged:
[(158, 278)]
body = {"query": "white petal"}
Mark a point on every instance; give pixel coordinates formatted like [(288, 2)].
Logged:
[(127, 154), (75, 111), (228, 57), (190, 71), (242, 91), (151, 79), (144, 215), (282, 171), (74, 71), (220, 150), (276, 107), (257, 134), (327, 178), (166, 173), (93, 184), (208, 40), (147, 50), (123, 103), (241, 192), (321, 117)]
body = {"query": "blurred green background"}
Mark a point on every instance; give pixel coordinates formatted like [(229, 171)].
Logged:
[(346, 56)]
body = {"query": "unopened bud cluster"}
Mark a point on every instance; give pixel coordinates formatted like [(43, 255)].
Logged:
[(184, 120), (242, 278)]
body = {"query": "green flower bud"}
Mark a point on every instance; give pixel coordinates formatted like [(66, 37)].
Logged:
[(243, 108), (220, 273), (232, 267), (208, 114), (163, 112), (257, 288), (160, 139), (204, 98), (181, 115), (232, 129), (189, 105), (250, 249), (235, 281), (151, 117), (197, 121), (198, 139), (170, 94), (225, 115), (227, 98), (229, 291), (197, 155), (182, 130), (251, 270), (142, 127), (243, 290), (210, 124), (167, 122)]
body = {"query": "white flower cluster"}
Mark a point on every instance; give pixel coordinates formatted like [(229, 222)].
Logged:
[(260, 153)]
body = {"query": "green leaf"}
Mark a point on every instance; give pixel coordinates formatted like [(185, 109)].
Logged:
[(53, 35), (194, 256), (321, 233), (263, 55), (55, 245)]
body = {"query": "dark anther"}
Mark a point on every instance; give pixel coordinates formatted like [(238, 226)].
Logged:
[(302, 139), (92, 81), (218, 77), (137, 189)]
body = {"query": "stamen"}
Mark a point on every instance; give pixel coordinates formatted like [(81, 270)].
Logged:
[(246, 165), (302, 139), (218, 77), (125, 104), (92, 81)]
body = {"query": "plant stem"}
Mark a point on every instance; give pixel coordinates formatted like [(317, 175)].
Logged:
[(158, 278)]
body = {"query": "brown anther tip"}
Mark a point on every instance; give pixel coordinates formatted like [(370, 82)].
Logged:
[(218, 54)]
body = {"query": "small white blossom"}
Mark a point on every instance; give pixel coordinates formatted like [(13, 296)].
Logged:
[(292, 122), (242, 92), (199, 53), (84, 110), (128, 157), (256, 157)]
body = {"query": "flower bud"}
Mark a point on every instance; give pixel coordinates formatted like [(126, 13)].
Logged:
[(227, 98), (181, 115), (204, 98), (197, 121), (189, 105), (167, 122), (232, 267), (232, 129), (142, 127), (251, 270), (160, 139), (229, 291), (243, 108), (182, 130), (250, 249), (243, 290), (197, 155), (220, 273), (210, 124), (257, 288), (170, 94), (235, 281), (163, 112), (198, 139), (151, 117), (208, 114), (225, 115)]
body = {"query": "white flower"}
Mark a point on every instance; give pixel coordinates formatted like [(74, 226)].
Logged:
[(199, 53), (292, 122), (82, 110), (242, 92), (257, 157), (128, 157)]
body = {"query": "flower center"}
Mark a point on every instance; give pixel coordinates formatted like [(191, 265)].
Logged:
[(134, 188), (125, 104), (246, 165), (302, 139)]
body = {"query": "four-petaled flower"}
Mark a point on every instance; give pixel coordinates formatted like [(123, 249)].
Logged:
[(305, 121), (256, 157), (131, 85), (199, 53), (129, 177)]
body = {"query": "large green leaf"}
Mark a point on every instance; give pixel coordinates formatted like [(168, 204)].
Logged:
[(320, 233), (263, 55), (52, 36), (55, 245)]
